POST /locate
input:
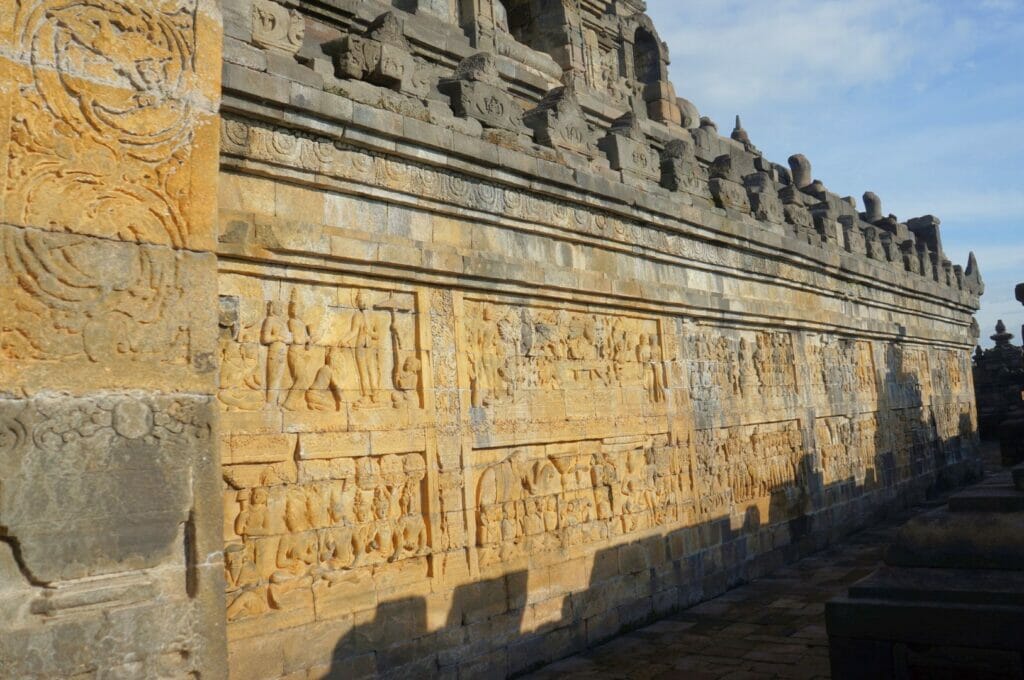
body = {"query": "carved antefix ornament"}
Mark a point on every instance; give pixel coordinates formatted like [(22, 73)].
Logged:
[(558, 122), (627, 149), (725, 185), (680, 170), (764, 199), (475, 92), (275, 27), (382, 56)]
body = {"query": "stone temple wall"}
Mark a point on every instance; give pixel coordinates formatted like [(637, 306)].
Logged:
[(481, 347)]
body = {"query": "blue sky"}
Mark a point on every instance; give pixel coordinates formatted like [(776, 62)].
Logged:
[(920, 101)]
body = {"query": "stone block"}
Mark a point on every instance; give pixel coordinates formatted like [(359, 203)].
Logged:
[(100, 484), (83, 313), (314, 445)]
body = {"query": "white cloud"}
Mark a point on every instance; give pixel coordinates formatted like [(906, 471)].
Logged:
[(916, 100), (737, 53)]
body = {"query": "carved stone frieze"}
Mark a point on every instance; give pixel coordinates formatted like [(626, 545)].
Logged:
[(849, 449), (842, 369), (296, 546), (318, 350), (749, 466), (542, 498), (284, 147), (618, 362), (728, 374)]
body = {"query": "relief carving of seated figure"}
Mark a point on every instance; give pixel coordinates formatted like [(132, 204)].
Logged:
[(240, 379), (244, 597), (337, 549), (296, 554), (253, 517), (411, 537), (324, 394)]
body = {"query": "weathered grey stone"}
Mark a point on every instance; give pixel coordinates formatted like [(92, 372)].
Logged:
[(99, 485), (764, 199), (475, 92), (801, 169), (628, 151), (559, 122)]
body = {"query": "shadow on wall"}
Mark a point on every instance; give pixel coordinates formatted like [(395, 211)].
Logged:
[(511, 624)]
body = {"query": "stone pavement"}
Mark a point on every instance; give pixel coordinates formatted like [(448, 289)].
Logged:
[(771, 628)]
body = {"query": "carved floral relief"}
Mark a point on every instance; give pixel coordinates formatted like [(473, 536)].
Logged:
[(103, 120)]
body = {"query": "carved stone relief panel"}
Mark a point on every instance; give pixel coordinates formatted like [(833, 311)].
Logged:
[(540, 364), (327, 356), (761, 466), (544, 497), (911, 446), (298, 550), (956, 426), (842, 370), (849, 446), (907, 376), (949, 372), (108, 131), (734, 374)]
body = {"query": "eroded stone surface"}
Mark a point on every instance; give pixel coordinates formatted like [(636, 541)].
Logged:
[(98, 485)]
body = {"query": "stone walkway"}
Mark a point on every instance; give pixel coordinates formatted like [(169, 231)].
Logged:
[(771, 628)]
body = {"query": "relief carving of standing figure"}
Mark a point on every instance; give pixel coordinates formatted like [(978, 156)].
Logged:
[(302, 358), (486, 360), (364, 337), (276, 337)]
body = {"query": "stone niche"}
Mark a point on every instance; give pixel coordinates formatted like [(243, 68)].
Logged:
[(435, 339)]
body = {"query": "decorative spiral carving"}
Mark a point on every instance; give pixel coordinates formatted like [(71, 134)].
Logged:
[(114, 69)]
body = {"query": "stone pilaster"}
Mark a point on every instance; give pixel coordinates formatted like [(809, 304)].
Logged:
[(110, 551)]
